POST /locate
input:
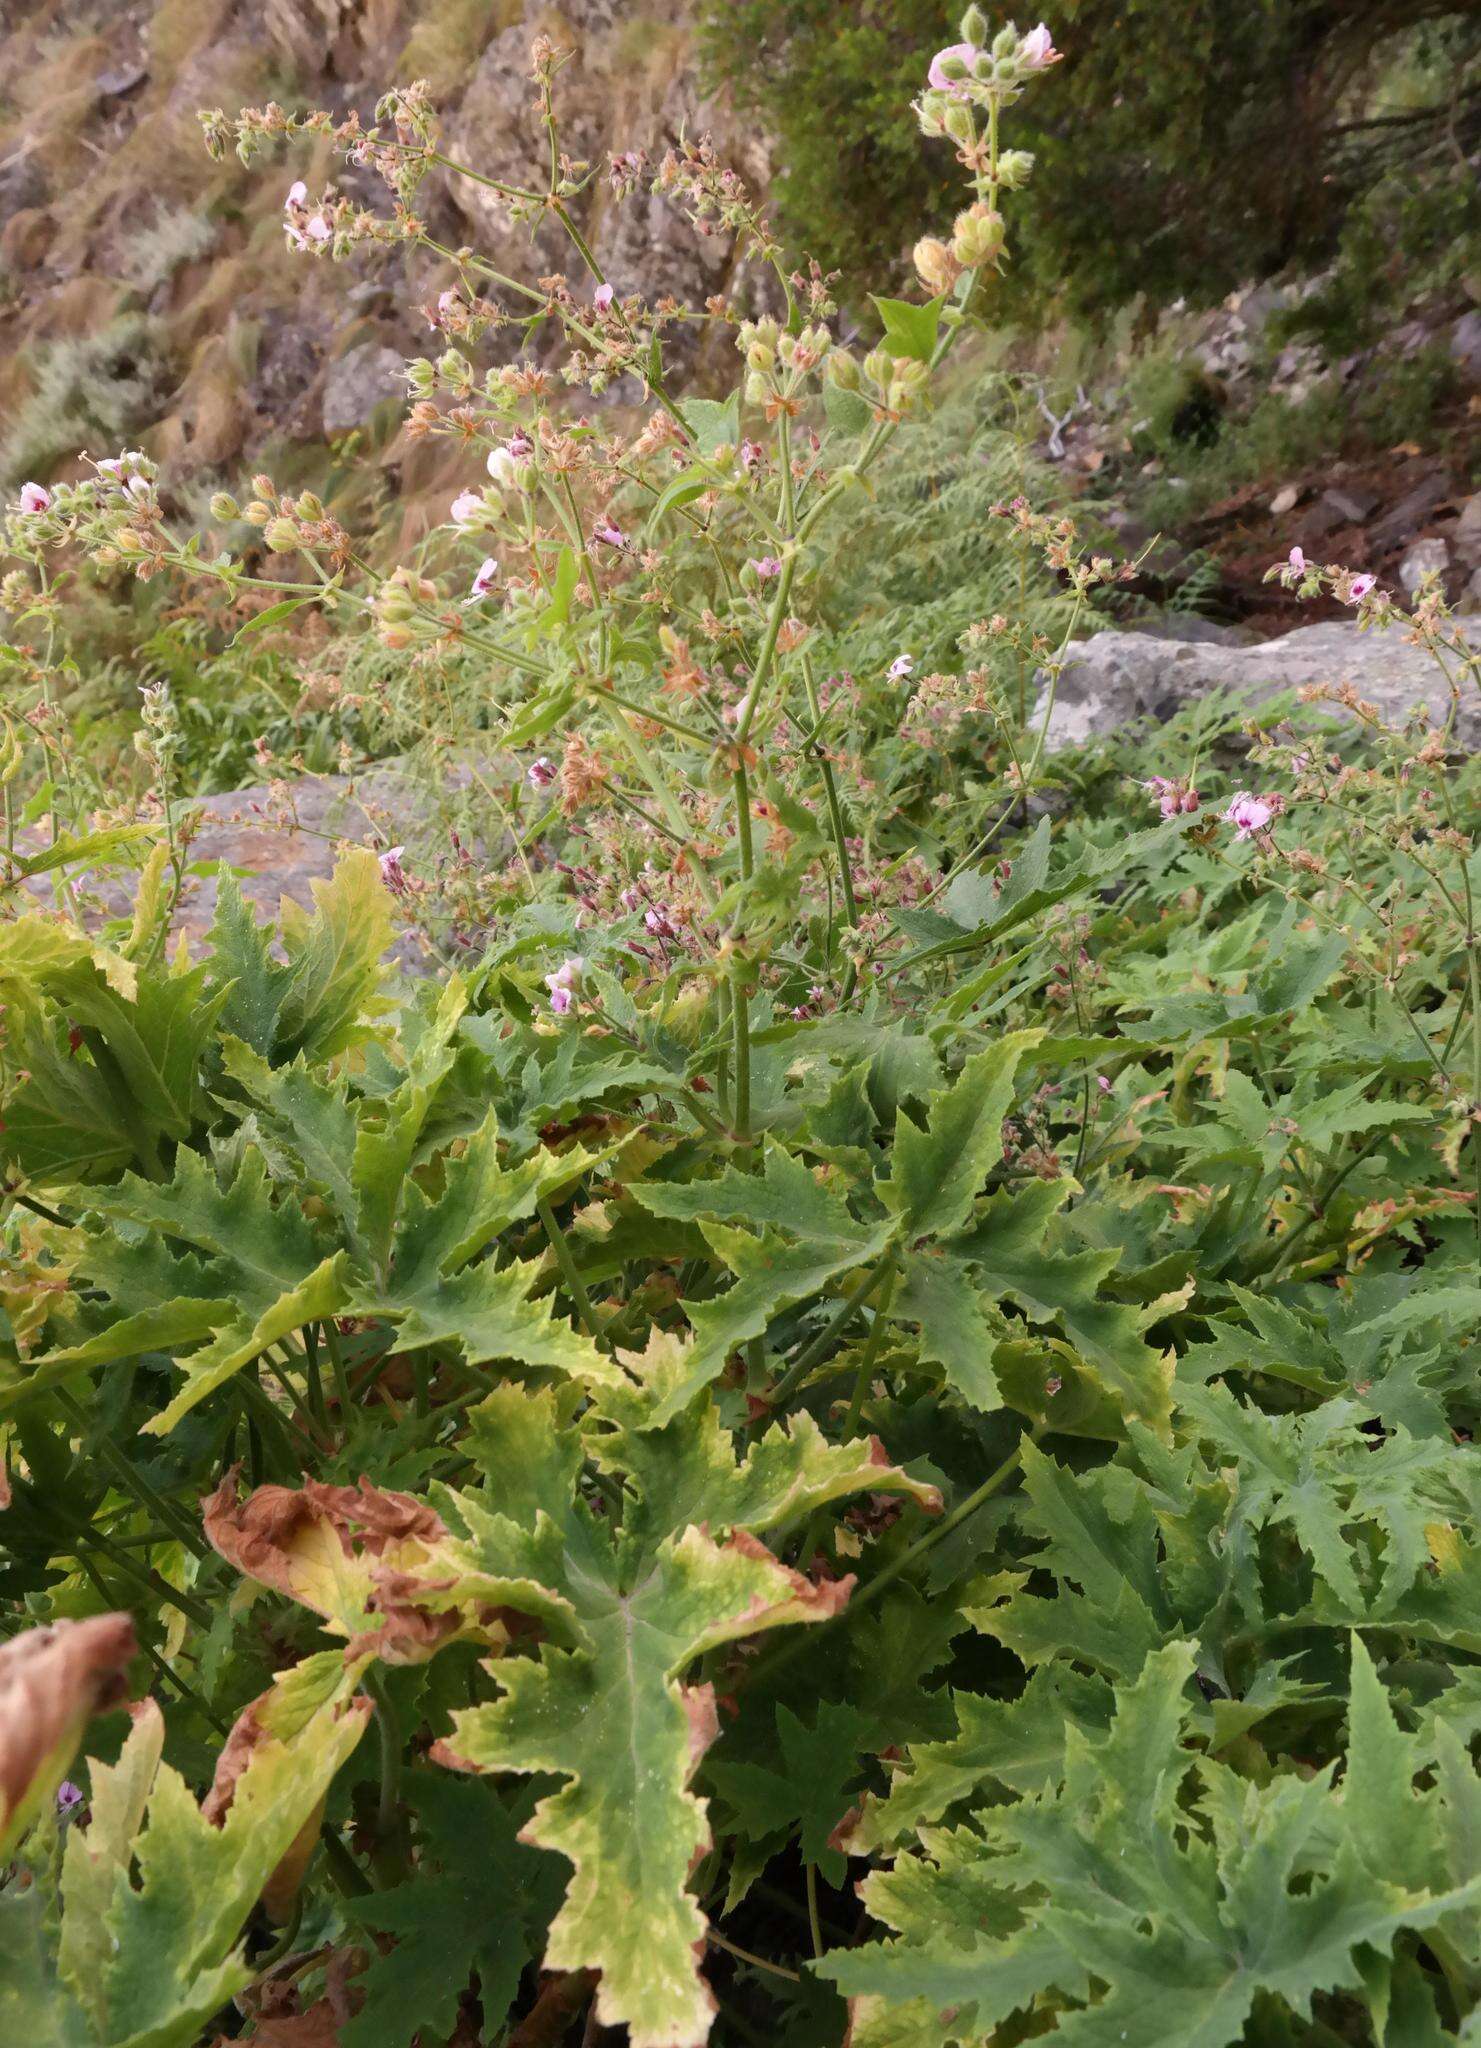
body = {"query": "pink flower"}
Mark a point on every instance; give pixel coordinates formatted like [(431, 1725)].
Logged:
[(1037, 52), (540, 774), (766, 567), (750, 455), (34, 498), (612, 536), (302, 229), (139, 488), (1103, 1084), (563, 983), (392, 872), (902, 666), (602, 297), (963, 53), (521, 447), (465, 508), (507, 469), (1298, 562), (1249, 814), (484, 581), (658, 922), (1359, 588)]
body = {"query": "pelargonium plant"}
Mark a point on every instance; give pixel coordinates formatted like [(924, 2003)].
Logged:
[(814, 1438)]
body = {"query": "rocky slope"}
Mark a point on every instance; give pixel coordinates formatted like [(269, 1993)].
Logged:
[(147, 295)]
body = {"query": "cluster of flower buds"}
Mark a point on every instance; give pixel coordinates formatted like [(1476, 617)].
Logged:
[(975, 72), (159, 739), (401, 609), (899, 382), (288, 525), (976, 238), (776, 360)]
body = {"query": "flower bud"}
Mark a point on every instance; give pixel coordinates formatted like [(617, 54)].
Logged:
[(974, 26), (977, 236), (310, 507), (421, 376), (960, 122), (263, 486), (258, 514), (843, 370), (877, 366), (932, 109), (1015, 167), (224, 506), (936, 267), (760, 358), (281, 536), (911, 375), (1004, 43), (756, 393)]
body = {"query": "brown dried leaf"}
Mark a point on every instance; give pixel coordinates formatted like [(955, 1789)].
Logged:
[(357, 1555), (52, 1680)]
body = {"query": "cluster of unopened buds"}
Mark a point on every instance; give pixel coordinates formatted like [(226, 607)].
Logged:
[(1174, 799), (403, 609), (775, 357), (977, 237), (287, 524)]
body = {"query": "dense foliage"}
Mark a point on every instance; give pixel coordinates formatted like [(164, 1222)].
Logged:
[(871, 1385), (1182, 153)]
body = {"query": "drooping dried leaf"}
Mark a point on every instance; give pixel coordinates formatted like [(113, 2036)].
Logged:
[(52, 1681)]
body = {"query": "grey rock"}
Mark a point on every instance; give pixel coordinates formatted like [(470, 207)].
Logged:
[(1470, 597), (280, 839), (1465, 537), (122, 80), (289, 360), (1351, 506), (357, 381), (1409, 514), (23, 183), (1114, 679), (1425, 558), (1465, 345), (1192, 630)]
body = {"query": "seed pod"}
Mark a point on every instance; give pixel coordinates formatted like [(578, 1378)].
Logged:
[(224, 506)]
